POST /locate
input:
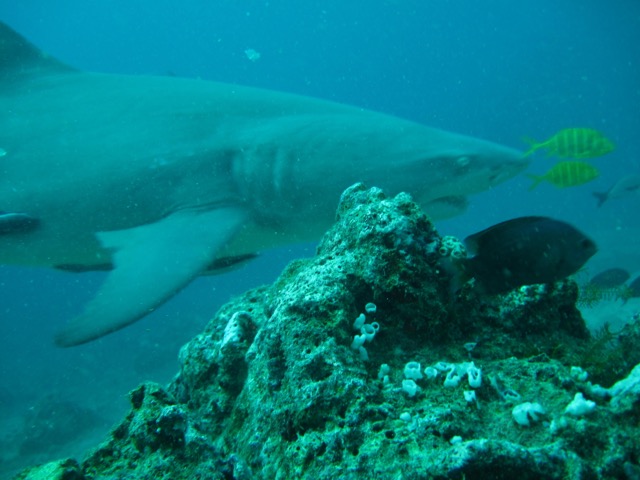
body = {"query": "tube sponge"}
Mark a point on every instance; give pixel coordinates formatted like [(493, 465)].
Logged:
[(412, 371), (579, 406), (528, 413)]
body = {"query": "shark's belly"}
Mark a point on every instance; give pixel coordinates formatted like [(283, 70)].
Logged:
[(255, 237), (67, 224), (72, 208), (94, 177)]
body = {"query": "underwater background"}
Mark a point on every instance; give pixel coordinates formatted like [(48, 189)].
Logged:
[(499, 70)]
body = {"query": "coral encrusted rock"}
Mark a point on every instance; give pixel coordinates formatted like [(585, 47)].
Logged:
[(272, 389)]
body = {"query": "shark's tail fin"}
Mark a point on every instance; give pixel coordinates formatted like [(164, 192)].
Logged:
[(601, 197)]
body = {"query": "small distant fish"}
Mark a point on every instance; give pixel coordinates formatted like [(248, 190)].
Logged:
[(252, 54), (623, 187), (610, 278), (575, 143), (566, 174), (526, 251)]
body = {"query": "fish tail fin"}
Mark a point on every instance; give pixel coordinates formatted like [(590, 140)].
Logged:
[(601, 197), (537, 179), (457, 273), (533, 146)]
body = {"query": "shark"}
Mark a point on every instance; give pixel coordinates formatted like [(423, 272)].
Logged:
[(157, 180)]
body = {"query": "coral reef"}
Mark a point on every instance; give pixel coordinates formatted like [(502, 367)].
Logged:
[(273, 390)]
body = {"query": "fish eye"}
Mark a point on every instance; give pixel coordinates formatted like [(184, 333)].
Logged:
[(588, 244)]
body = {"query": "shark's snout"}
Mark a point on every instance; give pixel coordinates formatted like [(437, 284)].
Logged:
[(505, 164), (501, 174)]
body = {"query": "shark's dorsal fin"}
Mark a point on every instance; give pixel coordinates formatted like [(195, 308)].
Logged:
[(19, 58)]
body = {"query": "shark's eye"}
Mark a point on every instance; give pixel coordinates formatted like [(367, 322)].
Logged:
[(463, 161)]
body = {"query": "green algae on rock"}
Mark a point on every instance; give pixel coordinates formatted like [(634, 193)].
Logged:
[(272, 389)]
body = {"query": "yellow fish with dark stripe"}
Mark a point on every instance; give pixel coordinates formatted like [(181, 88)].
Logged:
[(567, 174), (575, 143)]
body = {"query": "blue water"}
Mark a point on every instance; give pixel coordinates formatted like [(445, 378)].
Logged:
[(497, 69)]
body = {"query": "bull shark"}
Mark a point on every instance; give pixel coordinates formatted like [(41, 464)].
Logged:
[(160, 179)]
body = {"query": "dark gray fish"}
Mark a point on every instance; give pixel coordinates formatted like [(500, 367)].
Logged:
[(526, 251), (610, 278), (623, 187)]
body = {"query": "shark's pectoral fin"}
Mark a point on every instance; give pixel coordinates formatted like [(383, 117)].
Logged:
[(447, 207), (228, 264), (152, 263), (17, 223)]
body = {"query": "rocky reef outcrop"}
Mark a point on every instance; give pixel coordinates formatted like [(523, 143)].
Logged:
[(282, 384)]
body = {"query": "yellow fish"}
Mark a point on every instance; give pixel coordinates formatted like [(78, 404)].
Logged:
[(567, 174), (575, 143)]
